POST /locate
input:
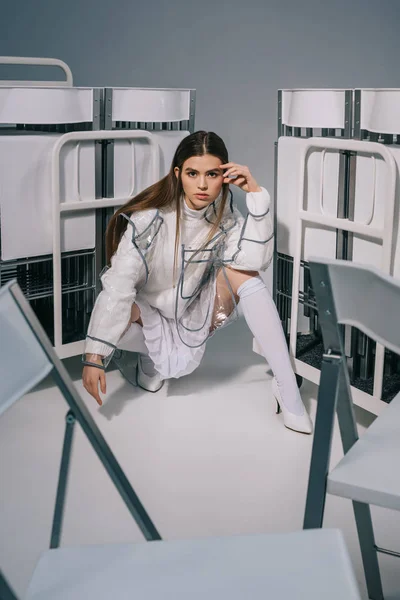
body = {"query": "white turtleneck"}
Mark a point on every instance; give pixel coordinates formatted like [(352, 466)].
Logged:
[(191, 213)]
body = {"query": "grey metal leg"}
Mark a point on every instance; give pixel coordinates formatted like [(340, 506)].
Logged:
[(362, 512), (6, 592), (322, 443), (62, 481)]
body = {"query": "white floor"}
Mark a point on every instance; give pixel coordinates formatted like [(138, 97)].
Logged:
[(207, 456)]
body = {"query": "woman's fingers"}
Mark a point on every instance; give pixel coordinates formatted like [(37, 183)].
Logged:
[(240, 176), (103, 382), (239, 181), (93, 390), (91, 378), (232, 174)]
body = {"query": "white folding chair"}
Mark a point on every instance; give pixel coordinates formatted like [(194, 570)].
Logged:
[(363, 297), (302, 565)]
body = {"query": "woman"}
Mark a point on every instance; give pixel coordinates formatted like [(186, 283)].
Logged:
[(182, 257)]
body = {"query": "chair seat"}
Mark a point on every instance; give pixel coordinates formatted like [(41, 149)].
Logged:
[(308, 565), (369, 471)]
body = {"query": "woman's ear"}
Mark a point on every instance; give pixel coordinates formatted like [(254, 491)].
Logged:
[(177, 171)]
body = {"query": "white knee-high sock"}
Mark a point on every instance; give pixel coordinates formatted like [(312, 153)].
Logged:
[(263, 320), (133, 341)]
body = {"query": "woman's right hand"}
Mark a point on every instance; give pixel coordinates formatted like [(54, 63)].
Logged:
[(91, 376)]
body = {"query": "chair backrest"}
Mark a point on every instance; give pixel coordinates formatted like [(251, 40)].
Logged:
[(357, 295), (23, 363)]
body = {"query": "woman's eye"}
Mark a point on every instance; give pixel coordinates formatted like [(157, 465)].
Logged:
[(193, 174)]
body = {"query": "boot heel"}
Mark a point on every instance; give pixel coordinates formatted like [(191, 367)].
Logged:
[(301, 423)]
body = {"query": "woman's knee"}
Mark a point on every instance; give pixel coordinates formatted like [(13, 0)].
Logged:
[(135, 314)]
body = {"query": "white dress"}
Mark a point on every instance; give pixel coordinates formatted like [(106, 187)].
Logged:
[(176, 309)]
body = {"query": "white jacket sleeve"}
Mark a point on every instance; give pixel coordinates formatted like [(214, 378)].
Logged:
[(249, 246), (112, 311)]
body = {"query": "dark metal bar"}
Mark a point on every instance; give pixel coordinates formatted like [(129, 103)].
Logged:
[(100, 158), (357, 115), (348, 113), (306, 288), (388, 552), (62, 481), (6, 593), (280, 131), (387, 138), (275, 263), (192, 111), (342, 203), (322, 443), (362, 514)]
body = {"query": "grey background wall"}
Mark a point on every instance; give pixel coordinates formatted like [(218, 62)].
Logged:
[(236, 54)]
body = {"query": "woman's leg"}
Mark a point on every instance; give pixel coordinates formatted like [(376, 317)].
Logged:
[(146, 363), (263, 320), (133, 338), (133, 341), (223, 302)]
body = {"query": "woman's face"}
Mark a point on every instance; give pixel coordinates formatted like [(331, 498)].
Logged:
[(202, 180)]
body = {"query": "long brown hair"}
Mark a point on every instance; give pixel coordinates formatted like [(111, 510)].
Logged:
[(168, 192)]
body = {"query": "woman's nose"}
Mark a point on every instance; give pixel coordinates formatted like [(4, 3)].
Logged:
[(203, 183)]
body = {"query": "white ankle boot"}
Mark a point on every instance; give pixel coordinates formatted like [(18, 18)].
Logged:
[(150, 383), (301, 423), (126, 364)]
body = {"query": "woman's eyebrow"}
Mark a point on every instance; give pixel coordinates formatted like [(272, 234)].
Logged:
[(189, 170)]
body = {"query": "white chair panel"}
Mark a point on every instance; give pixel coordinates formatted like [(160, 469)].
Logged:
[(322, 170), (380, 110), (26, 199), (370, 197), (304, 565), (45, 106), (314, 108), (23, 363), (150, 105), (369, 471)]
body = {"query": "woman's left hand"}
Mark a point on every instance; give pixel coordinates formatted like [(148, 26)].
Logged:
[(243, 178)]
